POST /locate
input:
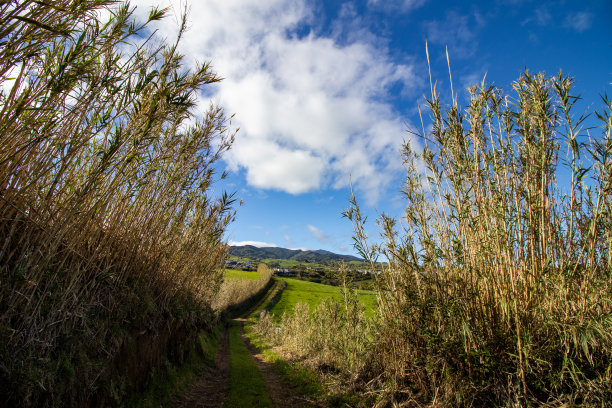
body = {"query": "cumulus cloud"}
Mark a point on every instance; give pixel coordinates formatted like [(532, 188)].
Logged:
[(311, 108), (318, 234), (257, 244)]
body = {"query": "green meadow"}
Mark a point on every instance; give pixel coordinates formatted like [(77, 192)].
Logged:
[(312, 294), (243, 275)]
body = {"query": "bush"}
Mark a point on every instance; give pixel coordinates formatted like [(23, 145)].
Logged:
[(336, 333)]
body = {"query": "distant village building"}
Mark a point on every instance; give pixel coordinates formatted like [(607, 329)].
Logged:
[(235, 264), (283, 272)]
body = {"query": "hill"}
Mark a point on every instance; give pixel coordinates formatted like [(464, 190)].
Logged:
[(253, 252)]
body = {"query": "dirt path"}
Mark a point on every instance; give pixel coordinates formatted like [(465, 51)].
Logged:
[(210, 390), (281, 393)]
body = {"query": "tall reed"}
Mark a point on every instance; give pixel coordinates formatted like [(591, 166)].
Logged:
[(498, 288), (233, 292), (108, 222)]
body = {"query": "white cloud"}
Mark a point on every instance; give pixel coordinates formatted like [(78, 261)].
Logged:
[(311, 109), (391, 5), (579, 21), (7, 81), (270, 166), (257, 244), (543, 16), (318, 234), (540, 16)]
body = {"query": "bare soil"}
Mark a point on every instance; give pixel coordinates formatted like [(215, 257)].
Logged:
[(210, 390)]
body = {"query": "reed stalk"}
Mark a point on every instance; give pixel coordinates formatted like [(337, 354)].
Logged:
[(108, 221), (497, 290)]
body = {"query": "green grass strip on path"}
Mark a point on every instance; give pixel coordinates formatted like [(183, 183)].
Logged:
[(247, 387), (306, 380)]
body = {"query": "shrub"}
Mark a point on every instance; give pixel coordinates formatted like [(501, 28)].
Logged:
[(336, 333)]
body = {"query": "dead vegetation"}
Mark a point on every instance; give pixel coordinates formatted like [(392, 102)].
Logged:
[(234, 292)]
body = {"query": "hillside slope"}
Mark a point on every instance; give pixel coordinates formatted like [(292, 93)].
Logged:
[(252, 252)]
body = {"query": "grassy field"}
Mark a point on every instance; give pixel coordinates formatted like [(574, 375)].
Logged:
[(313, 293), (292, 263), (244, 275)]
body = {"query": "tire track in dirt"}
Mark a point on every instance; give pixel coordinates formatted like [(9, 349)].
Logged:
[(282, 393), (210, 390)]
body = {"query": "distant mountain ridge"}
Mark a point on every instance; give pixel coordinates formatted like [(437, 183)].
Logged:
[(320, 255)]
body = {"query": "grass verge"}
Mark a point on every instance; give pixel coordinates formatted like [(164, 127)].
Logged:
[(309, 382), (276, 292)]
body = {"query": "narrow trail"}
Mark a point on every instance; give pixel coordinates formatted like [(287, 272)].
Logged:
[(281, 393), (211, 390), (263, 299)]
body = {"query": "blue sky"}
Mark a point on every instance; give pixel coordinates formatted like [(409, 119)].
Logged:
[(323, 92)]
